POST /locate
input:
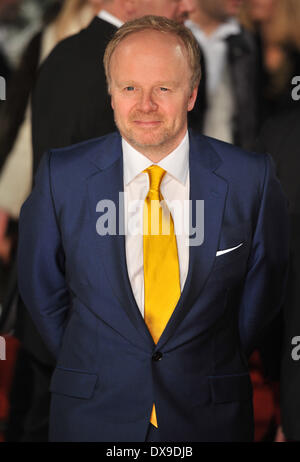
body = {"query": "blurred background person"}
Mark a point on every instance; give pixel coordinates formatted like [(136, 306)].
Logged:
[(62, 19), (229, 109), (19, 21), (4, 67), (280, 137), (233, 75), (8, 11), (15, 116), (276, 24)]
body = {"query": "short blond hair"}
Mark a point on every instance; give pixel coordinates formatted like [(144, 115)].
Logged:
[(163, 25)]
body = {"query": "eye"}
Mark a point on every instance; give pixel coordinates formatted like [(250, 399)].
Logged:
[(129, 88), (164, 89)]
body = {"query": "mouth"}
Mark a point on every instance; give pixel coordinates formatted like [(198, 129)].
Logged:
[(147, 124)]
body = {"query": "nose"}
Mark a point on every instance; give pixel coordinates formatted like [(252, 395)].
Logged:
[(147, 103)]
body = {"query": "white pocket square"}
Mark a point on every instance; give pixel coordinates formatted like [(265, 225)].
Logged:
[(221, 252)]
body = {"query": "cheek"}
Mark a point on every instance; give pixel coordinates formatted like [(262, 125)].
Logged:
[(175, 114), (121, 107)]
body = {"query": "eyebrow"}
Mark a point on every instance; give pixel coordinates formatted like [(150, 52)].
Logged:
[(131, 83)]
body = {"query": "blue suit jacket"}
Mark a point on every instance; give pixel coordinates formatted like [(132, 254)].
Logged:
[(76, 286)]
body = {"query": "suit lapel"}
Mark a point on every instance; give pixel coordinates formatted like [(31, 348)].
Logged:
[(207, 186), (106, 184)]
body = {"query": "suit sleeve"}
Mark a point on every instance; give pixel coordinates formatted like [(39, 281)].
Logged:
[(265, 283), (41, 276)]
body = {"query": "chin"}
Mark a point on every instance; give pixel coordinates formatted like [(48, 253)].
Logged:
[(147, 143), (148, 138)]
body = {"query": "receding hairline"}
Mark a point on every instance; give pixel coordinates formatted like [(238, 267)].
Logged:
[(149, 31)]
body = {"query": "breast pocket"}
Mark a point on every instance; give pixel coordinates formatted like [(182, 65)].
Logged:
[(234, 245), (234, 257)]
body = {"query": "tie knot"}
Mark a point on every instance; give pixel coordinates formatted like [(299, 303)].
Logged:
[(156, 175)]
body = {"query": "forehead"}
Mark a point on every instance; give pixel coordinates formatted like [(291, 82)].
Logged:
[(150, 46)]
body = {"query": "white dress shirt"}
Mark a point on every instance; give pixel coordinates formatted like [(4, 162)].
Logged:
[(214, 48), (220, 111), (175, 186), (106, 16)]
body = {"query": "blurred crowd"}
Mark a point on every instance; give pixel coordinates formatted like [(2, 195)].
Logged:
[(250, 55)]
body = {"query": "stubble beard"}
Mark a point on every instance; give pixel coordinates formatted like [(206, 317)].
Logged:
[(150, 142), (161, 143)]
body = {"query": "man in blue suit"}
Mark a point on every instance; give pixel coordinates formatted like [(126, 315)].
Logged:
[(152, 335)]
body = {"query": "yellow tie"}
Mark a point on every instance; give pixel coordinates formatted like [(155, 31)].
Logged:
[(161, 267)]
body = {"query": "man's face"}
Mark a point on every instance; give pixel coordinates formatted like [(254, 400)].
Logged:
[(151, 91), (220, 10), (178, 10)]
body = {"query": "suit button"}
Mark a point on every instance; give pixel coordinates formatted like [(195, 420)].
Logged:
[(157, 356)]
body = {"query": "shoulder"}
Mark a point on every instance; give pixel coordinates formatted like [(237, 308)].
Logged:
[(68, 169), (77, 161), (74, 164), (64, 173), (234, 164), (80, 154), (84, 45), (229, 153)]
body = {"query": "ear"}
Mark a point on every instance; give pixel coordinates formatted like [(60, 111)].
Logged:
[(192, 98)]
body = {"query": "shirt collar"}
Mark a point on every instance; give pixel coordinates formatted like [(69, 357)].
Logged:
[(230, 27), (106, 16), (176, 163)]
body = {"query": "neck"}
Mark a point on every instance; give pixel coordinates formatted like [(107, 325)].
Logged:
[(207, 23)]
